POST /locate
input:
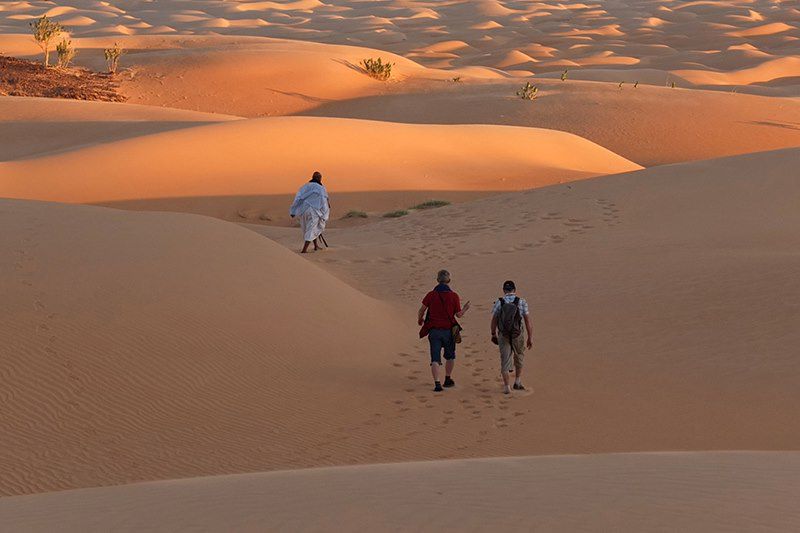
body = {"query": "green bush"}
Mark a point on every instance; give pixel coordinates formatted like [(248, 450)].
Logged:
[(564, 75), (112, 56), (44, 31), (66, 53), (355, 214), (396, 214), (377, 69), (528, 91), (431, 204)]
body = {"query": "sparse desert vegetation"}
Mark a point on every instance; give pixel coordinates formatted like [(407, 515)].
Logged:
[(396, 214), (66, 53), (355, 214), (431, 204), (528, 91), (377, 68), (44, 31), (112, 56)]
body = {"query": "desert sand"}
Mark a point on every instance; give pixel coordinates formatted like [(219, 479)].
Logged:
[(171, 362)]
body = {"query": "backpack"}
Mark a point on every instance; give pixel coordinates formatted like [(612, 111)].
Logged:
[(509, 319)]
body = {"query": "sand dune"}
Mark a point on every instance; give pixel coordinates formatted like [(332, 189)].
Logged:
[(33, 127), (703, 492), (647, 125), (681, 278), (144, 346), (270, 156), (163, 348), (579, 34)]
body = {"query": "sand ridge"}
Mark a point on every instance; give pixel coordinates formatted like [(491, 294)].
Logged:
[(269, 156), (703, 492)]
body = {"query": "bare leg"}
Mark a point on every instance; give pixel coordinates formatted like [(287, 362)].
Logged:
[(435, 371), (305, 247), (316, 246), (518, 375), (448, 367)]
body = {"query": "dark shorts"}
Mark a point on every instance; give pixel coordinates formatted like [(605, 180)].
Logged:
[(441, 339)]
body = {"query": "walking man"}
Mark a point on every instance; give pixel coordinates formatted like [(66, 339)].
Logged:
[(508, 313), (313, 207), (437, 316)]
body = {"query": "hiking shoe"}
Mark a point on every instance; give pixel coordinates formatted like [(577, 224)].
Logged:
[(448, 382), (519, 386), (438, 388)]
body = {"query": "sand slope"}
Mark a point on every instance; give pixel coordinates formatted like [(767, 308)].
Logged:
[(35, 126), (648, 125), (164, 345), (270, 156), (703, 492), (141, 346)]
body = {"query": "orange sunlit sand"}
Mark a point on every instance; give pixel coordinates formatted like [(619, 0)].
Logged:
[(170, 361)]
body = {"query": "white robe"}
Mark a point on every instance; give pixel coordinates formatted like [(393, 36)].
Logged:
[(311, 207)]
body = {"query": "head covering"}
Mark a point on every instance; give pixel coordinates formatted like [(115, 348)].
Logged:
[(317, 177), (508, 286)]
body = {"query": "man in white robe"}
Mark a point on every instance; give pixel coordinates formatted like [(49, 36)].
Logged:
[(313, 207)]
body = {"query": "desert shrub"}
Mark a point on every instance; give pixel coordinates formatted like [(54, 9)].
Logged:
[(621, 84), (395, 214), (456, 79), (355, 214), (112, 56), (672, 84), (636, 84), (431, 204), (377, 68), (528, 91), (564, 75), (66, 53), (44, 31)]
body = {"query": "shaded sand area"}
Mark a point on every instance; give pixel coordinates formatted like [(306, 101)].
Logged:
[(702, 492), (665, 304)]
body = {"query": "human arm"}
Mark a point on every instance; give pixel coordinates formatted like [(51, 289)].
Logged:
[(421, 314), (463, 310), (298, 202), (529, 329), (494, 328)]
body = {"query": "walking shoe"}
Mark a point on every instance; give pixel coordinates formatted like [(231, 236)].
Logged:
[(438, 387), (519, 386), (448, 382)]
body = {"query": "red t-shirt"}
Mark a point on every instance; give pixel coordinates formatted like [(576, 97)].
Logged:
[(442, 308)]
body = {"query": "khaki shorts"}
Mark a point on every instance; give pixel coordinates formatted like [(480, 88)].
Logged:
[(507, 362)]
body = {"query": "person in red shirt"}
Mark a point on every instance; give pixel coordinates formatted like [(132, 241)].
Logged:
[(437, 316)]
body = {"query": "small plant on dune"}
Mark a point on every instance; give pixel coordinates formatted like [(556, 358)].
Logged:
[(355, 214), (636, 84), (44, 31), (431, 204), (528, 91), (620, 85), (456, 79), (377, 68), (112, 56), (564, 75), (66, 53), (672, 84), (395, 214)]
